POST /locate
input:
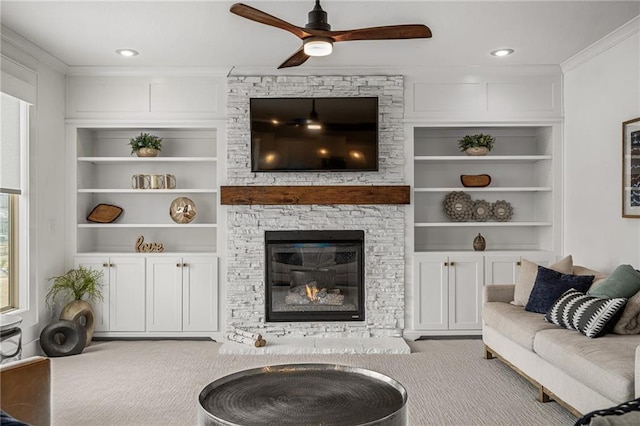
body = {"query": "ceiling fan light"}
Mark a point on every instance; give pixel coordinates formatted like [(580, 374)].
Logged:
[(317, 46)]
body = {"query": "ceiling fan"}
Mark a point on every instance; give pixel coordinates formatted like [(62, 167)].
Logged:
[(317, 37)]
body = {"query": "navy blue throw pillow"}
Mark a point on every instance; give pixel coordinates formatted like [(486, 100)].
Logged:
[(550, 285)]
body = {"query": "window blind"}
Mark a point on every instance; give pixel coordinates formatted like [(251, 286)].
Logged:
[(10, 145)]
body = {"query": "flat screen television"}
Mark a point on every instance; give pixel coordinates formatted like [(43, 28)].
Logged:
[(314, 134)]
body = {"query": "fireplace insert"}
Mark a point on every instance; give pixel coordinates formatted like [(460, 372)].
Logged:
[(314, 275)]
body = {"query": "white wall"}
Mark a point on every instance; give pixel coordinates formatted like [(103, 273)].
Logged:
[(600, 93), (46, 185)]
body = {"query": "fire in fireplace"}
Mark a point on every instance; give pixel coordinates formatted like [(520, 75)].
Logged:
[(314, 275)]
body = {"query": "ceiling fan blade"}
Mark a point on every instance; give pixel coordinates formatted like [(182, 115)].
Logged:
[(264, 18), (391, 32), (296, 59)]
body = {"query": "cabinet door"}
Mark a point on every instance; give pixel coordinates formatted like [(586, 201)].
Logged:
[(100, 307), (164, 293), (466, 276), (501, 269), (200, 293), (431, 278), (127, 294)]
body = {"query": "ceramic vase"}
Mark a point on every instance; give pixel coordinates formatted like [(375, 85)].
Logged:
[(147, 152), (81, 312), (477, 150), (479, 243)]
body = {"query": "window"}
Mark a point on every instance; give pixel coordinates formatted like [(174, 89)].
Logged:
[(8, 252), (13, 137)]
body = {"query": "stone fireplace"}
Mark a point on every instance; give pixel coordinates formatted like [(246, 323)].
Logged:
[(381, 297)]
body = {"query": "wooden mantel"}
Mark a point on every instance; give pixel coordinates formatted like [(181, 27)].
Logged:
[(315, 194)]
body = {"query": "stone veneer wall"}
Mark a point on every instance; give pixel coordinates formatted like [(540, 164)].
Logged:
[(383, 224)]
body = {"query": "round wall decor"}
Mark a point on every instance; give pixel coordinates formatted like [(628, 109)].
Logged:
[(481, 210), (182, 210), (502, 211), (458, 206)]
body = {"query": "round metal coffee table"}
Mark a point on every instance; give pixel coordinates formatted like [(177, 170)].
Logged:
[(303, 394)]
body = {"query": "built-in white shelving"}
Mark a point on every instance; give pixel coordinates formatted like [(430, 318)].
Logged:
[(521, 167), (104, 171)]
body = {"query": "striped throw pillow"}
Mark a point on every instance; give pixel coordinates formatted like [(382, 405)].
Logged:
[(590, 315)]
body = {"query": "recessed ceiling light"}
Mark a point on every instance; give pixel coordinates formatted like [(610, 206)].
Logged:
[(127, 52), (502, 52)]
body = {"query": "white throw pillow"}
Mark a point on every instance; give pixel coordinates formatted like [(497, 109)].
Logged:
[(527, 278)]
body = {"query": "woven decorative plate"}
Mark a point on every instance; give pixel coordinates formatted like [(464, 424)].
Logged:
[(481, 210), (475, 181), (458, 206), (104, 213), (502, 211)]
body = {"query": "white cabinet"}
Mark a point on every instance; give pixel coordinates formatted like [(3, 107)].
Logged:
[(155, 294), (503, 268), (104, 169), (448, 291), (524, 169), (182, 293), (123, 307)]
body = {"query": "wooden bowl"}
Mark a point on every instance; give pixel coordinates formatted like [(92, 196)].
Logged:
[(476, 181)]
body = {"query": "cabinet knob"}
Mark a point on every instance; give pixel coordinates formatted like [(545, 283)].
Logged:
[(185, 265), (446, 263), (452, 264), (178, 265), (519, 263), (111, 265), (105, 265)]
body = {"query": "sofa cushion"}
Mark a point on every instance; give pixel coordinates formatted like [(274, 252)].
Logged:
[(550, 285), (624, 281), (514, 322), (590, 315), (606, 364), (629, 322), (527, 278)]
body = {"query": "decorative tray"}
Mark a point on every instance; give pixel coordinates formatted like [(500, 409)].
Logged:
[(477, 181), (104, 213)]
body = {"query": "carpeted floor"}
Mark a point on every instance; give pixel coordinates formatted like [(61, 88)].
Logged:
[(158, 382)]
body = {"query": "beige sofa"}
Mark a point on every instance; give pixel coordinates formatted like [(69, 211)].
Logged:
[(581, 373)]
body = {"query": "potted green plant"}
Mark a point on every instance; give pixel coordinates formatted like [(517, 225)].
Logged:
[(145, 145), (76, 288), (479, 144)]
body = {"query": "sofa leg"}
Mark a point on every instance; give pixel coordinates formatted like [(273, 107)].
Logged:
[(488, 354), (542, 395)]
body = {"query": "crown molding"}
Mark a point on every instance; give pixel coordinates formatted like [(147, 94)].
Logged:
[(36, 52), (607, 42), (149, 71)]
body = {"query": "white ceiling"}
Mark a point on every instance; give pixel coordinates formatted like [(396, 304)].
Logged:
[(199, 34)]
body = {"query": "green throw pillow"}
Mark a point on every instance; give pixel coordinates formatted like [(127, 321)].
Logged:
[(623, 282)]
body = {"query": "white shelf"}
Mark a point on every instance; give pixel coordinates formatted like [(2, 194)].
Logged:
[(488, 189), (147, 191), (478, 224), (130, 160), (147, 225), (482, 158), (104, 168), (524, 172)]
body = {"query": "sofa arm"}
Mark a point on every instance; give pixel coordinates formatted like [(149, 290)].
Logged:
[(498, 293), (25, 390)]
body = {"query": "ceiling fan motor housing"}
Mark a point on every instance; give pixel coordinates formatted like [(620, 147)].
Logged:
[(318, 19)]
